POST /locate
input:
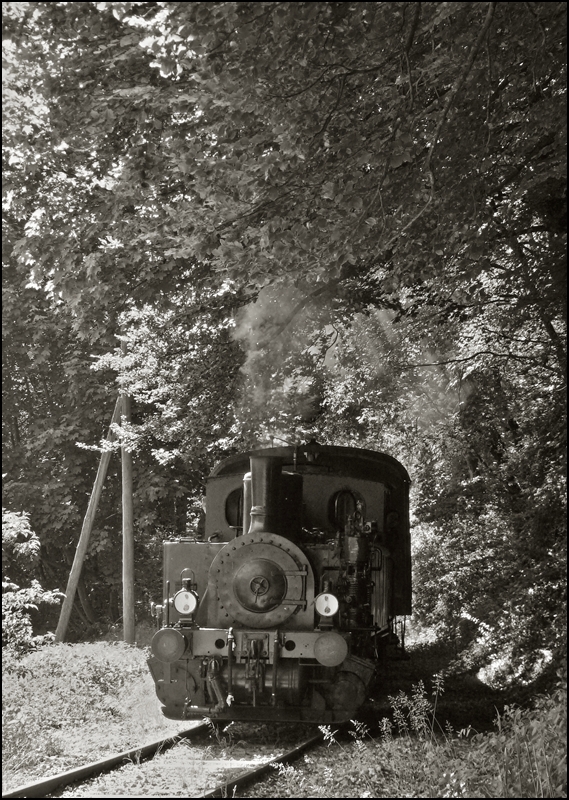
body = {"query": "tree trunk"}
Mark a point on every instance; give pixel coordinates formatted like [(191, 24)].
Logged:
[(114, 611), (181, 511)]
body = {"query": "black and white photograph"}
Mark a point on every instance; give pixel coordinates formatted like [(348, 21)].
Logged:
[(284, 399)]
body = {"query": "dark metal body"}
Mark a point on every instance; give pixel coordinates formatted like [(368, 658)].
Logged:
[(289, 532)]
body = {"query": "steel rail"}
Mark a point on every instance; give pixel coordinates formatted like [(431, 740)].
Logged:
[(226, 789), (44, 787)]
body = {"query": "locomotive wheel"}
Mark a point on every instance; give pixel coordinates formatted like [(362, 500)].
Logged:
[(347, 693), (261, 579)]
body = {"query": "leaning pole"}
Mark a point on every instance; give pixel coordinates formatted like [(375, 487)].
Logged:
[(86, 531)]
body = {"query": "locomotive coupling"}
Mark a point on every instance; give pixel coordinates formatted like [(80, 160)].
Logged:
[(214, 683)]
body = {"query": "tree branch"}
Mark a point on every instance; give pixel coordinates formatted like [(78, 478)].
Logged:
[(334, 107), (450, 98), (470, 358), (545, 320), (459, 84), (279, 327), (407, 48)]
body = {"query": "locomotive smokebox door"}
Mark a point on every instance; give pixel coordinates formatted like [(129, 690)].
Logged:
[(260, 585), (263, 579)]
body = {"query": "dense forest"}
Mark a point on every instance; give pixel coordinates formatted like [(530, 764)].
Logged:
[(276, 221)]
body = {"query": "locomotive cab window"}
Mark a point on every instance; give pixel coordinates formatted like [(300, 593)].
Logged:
[(344, 504), (234, 508)]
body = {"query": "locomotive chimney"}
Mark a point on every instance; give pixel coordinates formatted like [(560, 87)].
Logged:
[(265, 493)]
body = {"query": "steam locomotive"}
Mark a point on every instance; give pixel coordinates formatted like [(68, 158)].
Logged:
[(285, 610)]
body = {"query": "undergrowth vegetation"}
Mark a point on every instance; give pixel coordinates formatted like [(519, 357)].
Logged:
[(65, 702), (69, 702), (525, 756)]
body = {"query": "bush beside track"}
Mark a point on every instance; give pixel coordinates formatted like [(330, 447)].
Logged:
[(415, 757), (66, 704)]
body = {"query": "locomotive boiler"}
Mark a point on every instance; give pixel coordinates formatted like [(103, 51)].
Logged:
[(285, 609)]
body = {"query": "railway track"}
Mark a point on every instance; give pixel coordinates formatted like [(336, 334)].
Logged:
[(56, 782), (228, 788)]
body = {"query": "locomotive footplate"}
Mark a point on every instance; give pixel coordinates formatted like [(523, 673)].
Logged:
[(328, 647), (252, 674)]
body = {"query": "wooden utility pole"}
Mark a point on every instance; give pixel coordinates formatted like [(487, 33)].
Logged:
[(127, 533), (86, 532)]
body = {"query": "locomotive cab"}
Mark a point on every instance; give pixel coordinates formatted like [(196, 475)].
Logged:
[(285, 610)]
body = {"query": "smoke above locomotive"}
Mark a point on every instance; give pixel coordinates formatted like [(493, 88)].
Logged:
[(285, 609)]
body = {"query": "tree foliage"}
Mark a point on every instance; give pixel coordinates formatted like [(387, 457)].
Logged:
[(335, 219), (20, 557)]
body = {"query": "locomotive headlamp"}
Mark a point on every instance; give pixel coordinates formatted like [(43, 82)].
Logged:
[(330, 649), (185, 602), (168, 645), (326, 604)]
